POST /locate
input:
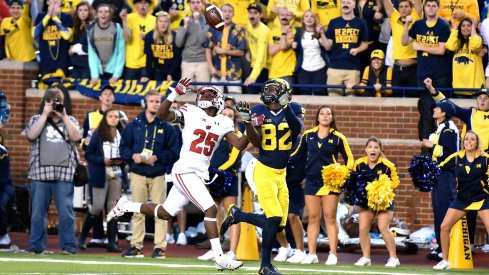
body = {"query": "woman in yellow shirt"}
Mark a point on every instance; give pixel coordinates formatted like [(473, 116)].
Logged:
[(467, 69)]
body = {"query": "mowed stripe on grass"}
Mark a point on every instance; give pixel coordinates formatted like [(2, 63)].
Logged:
[(13, 263)]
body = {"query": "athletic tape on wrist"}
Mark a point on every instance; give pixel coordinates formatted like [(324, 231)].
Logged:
[(173, 95)]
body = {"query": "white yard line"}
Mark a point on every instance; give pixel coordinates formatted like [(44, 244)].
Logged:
[(338, 270)]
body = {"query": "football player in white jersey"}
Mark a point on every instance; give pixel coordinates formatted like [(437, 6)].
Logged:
[(204, 129)]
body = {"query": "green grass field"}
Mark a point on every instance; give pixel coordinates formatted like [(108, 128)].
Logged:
[(22, 263)]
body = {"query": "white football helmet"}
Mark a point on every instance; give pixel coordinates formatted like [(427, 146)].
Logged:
[(210, 96)]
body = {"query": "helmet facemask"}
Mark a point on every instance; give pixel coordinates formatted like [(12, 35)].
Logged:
[(273, 89), (209, 96)]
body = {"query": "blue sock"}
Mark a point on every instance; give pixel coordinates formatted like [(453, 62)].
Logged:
[(254, 219), (268, 237)]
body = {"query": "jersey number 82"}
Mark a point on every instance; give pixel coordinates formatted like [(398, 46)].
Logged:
[(270, 133)]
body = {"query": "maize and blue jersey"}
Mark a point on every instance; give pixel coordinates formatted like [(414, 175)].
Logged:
[(277, 137)]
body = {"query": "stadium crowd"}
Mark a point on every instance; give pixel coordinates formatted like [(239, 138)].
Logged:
[(356, 47)]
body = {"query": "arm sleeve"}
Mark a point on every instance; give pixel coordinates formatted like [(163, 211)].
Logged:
[(462, 113), (85, 128), (394, 177), (91, 152), (232, 158), (93, 60), (303, 6), (203, 33), (180, 37), (120, 52), (388, 81), (65, 28), (42, 21), (26, 12), (7, 28), (346, 153), (295, 124), (449, 162), (125, 147), (473, 10), (475, 43), (453, 43), (149, 56), (177, 60), (447, 143), (168, 156), (261, 55), (412, 31), (300, 151)]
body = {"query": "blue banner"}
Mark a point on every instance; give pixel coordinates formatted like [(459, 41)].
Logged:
[(126, 91)]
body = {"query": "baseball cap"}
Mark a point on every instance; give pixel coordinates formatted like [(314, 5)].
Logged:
[(107, 87), (377, 54), (447, 107), (255, 6), (482, 92)]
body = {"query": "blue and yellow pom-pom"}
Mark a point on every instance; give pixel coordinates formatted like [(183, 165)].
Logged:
[(354, 188), (380, 193), (222, 184), (335, 176), (424, 172)]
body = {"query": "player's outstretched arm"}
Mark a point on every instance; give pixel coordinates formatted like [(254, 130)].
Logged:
[(243, 108), (239, 143), (164, 112)]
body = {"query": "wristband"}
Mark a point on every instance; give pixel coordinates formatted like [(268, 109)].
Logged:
[(172, 96)]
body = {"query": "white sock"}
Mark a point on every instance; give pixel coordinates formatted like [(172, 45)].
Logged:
[(216, 247), (134, 207)]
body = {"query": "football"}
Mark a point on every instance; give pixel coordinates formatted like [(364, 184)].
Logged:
[(213, 17)]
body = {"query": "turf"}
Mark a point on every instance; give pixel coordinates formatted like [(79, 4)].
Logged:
[(22, 263)]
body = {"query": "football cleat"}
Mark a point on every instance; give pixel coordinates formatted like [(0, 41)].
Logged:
[(229, 220), (118, 209), (225, 263), (269, 270)]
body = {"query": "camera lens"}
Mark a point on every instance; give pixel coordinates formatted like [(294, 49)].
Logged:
[(58, 107)]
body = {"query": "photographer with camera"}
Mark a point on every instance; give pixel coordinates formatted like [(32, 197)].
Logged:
[(52, 162), (149, 145)]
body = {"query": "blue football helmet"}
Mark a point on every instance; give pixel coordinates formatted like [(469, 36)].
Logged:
[(272, 89)]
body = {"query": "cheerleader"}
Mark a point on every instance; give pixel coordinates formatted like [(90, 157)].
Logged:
[(321, 146), (375, 164), (471, 170)]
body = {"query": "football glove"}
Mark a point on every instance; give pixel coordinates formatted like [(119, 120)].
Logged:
[(182, 86), (283, 99), (243, 108), (257, 120), (181, 89)]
